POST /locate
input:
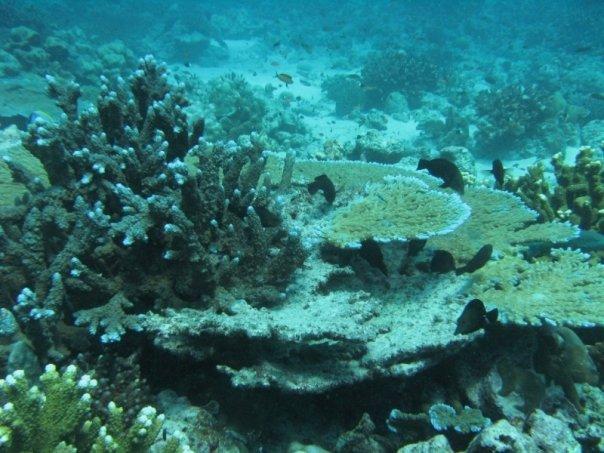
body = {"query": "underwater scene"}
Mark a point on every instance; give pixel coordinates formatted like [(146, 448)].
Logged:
[(268, 226)]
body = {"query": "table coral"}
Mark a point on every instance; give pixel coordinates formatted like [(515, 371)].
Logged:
[(397, 210), (566, 289), (502, 220)]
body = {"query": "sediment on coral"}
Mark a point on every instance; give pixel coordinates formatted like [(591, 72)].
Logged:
[(126, 226)]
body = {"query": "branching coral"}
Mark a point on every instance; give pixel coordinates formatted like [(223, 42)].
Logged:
[(56, 416), (396, 70), (125, 218), (389, 212), (578, 195)]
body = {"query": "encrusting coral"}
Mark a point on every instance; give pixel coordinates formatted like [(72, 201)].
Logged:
[(127, 222), (56, 416)]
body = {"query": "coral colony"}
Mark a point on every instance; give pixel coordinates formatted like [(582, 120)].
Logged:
[(316, 241)]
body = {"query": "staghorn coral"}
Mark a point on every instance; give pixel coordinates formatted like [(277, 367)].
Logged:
[(125, 221), (56, 415), (119, 380), (388, 212), (565, 289)]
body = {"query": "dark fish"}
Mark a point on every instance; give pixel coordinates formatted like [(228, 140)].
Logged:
[(372, 253), (276, 44), (197, 131), (445, 170), (415, 246), (18, 120), (187, 64), (598, 96), (285, 78), (582, 49), (323, 183), (480, 259), (498, 172), (442, 262), (474, 317)]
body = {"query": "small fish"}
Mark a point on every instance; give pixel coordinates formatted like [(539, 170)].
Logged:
[(39, 115), (498, 172), (445, 170), (323, 183), (276, 44), (415, 246), (480, 259), (285, 78), (582, 49), (372, 253), (18, 120), (598, 96), (442, 262), (187, 64), (475, 317)]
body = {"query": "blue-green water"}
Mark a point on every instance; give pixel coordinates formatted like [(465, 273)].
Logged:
[(301, 226)]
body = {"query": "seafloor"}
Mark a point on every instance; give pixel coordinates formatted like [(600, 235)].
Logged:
[(214, 236)]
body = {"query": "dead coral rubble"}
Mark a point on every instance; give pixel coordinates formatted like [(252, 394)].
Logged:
[(127, 222)]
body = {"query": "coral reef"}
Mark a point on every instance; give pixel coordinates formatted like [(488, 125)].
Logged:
[(442, 417), (235, 107), (56, 415), (11, 149), (388, 212), (565, 289), (341, 337), (578, 195), (398, 70), (513, 117), (126, 226), (502, 220), (67, 53), (346, 91)]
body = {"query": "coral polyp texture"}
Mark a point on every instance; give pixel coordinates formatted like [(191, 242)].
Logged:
[(126, 226), (566, 289), (56, 416), (399, 209), (502, 220)]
